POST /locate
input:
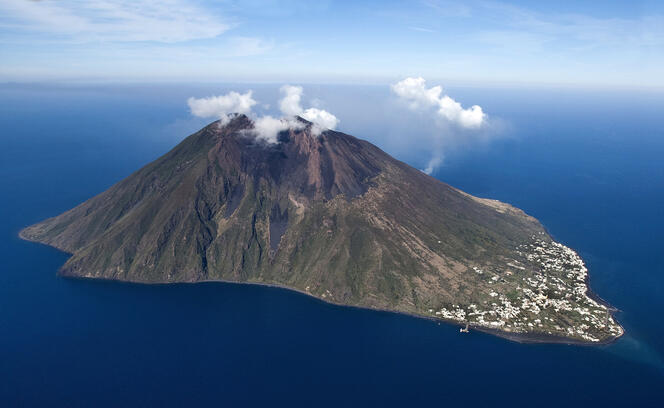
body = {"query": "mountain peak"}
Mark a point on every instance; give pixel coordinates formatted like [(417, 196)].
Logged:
[(316, 166)]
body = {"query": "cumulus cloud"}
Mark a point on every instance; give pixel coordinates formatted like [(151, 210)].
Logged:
[(320, 117), (290, 105), (266, 127), (222, 105), (453, 122), (415, 92)]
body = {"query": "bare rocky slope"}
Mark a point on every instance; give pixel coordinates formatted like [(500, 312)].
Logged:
[(333, 216)]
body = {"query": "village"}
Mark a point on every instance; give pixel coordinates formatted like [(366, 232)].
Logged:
[(552, 300)]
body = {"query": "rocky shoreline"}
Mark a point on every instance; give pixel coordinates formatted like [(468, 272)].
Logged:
[(525, 338)]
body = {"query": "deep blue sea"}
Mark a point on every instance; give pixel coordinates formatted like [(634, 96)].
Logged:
[(588, 164)]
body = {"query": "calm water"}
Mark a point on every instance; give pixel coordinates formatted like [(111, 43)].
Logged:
[(587, 164)]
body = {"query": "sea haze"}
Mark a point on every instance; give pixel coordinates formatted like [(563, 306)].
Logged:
[(587, 164)]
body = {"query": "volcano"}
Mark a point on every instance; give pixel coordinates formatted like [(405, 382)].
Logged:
[(333, 216)]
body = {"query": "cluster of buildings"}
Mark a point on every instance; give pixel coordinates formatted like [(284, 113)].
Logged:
[(546, 293)]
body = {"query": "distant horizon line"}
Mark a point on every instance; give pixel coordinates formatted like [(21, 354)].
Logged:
[(466, 83)]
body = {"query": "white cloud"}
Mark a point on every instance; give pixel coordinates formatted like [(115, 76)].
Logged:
[(454, 126), (121, 20), (220, 106), (290, 105), (414, 91), (267, 127), (433, 163), (322, 118)]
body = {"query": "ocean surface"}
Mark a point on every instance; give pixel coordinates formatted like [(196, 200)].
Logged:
[(588, 164)]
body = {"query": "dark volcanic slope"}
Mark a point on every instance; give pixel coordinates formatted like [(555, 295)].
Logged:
[(333, 216)]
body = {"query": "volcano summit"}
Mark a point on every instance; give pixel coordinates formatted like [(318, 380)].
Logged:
[(325, 213)]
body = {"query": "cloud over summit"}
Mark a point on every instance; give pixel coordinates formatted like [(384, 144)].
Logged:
[(220, 106), (290, 106), (322, 118), (290, 103), (266, 127)]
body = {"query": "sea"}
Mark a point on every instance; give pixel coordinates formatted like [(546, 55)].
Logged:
[(588, 163)]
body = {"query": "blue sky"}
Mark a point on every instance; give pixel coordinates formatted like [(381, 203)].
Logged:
[(590, 43)]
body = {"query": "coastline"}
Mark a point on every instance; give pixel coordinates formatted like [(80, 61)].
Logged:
[(522, 338), (590, 293)]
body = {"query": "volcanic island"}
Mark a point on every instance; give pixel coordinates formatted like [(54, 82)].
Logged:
[(330, 215)]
